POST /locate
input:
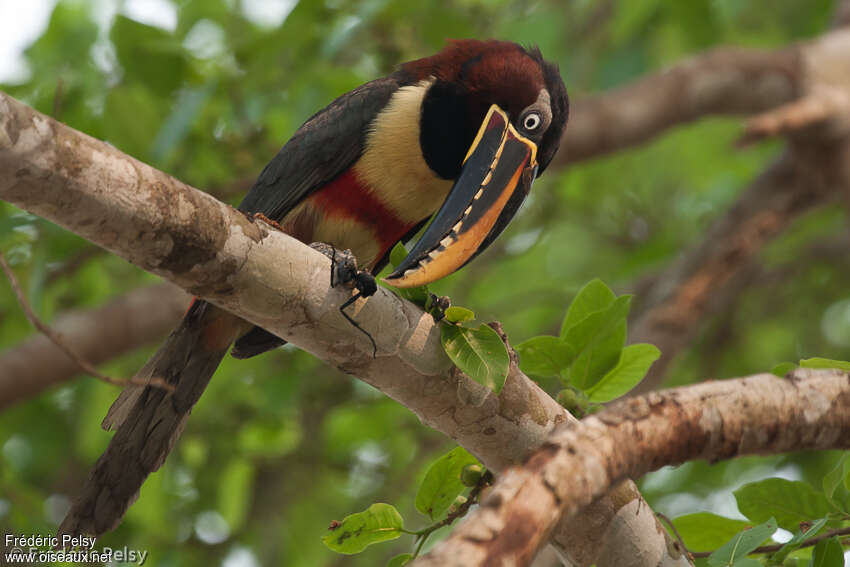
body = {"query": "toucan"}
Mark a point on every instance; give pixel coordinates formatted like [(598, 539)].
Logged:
[(456, 138)]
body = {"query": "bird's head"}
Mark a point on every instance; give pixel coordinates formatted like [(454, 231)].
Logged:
[(491, 120)]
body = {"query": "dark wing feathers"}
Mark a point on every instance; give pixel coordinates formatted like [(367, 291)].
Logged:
[(322, 148)]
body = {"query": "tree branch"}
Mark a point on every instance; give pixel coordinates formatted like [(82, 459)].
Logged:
[(274, 281), (776, 547), (813, 172), (723, 81), (683, 296), (59, 341), (98, 335), (714, 421)]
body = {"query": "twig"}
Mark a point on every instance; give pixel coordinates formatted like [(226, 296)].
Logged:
[(57, 339), (776, 547), (461, 511), (824, 104), (675, 531), (76, 262)]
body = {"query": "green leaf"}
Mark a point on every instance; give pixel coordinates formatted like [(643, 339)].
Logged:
[(594, 296), (234, 492), (191, 12), (149, 56), (799, 537), (703, 531), (398, 254), (790, 502), (747, 562), (459, 314), (825, 363), (592, 365), (635, 361), (176, 126), (379, 522), (417, 295), (783, 368), (737, 548), (597, 341), (479, 353), (269, 439), (67, 41), (828, 553), (400, 560), (134, 119), (544, 355), (629, 18), (10, 224), (442, 483), (836, 484)]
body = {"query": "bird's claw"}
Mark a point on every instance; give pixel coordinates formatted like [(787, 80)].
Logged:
[(267, 220), (344, 272)]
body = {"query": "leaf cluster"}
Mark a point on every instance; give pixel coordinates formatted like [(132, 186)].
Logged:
[(818, 519), (440, 497), (590, 357)]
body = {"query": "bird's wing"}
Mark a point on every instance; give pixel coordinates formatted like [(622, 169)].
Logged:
[(322, 148)]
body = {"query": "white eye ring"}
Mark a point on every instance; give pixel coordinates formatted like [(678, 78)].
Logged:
[(531, 121)]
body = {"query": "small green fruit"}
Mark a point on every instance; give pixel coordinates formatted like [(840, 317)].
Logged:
[(471, 475)]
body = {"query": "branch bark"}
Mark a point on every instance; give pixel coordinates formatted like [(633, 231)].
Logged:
[(759, 414), (98, 335), (723, 81), (274, 281)]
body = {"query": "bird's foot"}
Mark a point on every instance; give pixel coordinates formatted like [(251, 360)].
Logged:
[(344, 272), (436, 306), (267, 220)]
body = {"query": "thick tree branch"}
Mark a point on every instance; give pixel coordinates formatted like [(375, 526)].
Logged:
[(757, 415), (723, 81), (685, 294), (265, 276), (814, 171), (59, 341), (98, 335)]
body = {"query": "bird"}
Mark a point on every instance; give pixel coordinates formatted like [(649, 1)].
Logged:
[(456, 138)]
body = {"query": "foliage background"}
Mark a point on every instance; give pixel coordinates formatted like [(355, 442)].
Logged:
[(280, 445)]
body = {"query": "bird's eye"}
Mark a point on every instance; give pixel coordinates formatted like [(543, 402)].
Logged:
[(531, 121)]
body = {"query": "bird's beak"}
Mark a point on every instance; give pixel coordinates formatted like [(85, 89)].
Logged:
[(497, 174)]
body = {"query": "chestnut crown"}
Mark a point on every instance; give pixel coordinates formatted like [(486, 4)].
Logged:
[(471, 75)]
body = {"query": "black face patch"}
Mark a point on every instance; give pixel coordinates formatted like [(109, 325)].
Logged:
[(444, 129)]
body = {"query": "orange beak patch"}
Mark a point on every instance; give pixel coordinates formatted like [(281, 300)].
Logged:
[(497, 174)]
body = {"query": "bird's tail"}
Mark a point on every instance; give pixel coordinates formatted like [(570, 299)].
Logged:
[(149, 419)]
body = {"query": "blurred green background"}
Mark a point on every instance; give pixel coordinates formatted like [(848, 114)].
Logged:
[(280, 445)]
